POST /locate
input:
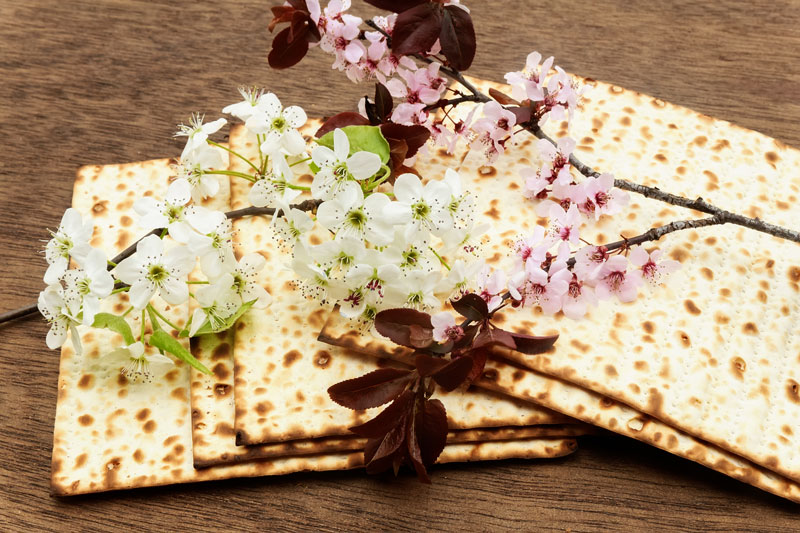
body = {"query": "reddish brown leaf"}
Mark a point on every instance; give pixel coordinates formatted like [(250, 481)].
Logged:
[(502, 98), (346, 118), (490, 335), (479, 357), (434, 431), (457, 37), (522, 114), (419, 336), (531, 344), (471, 306), (395, 5), (398, 148), (370, 390), (280, 14), (299, 5), (383, 103), (453, 373), (415, 136), (396, 325), (428, 365), (416, 29), (303, 27), (386, 419), (285, 54)]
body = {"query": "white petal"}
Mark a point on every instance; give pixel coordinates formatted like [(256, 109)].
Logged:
[(341, 144), (140, 294), (323, 156), (330, 214), (56, 336), (408, 188), (295, 116), (252, 263), (174, 291), (198, 319), (362, 165), (293, 142), (179, 192), (150, 248), (272, 144)]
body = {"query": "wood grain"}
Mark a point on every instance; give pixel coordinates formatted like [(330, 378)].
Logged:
[(106, 81)]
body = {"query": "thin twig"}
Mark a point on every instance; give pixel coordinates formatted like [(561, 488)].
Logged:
[(308, 205)]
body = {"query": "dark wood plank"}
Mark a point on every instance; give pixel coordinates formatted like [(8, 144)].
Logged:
[(106, 81)]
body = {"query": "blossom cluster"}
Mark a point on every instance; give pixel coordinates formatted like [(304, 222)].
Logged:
[(159, 266), (542, 88), (378, 244)]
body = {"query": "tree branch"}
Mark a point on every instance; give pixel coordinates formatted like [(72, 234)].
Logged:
[(308, 205)]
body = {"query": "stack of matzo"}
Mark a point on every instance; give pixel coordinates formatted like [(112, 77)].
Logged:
[(182, 427), (706, 366)]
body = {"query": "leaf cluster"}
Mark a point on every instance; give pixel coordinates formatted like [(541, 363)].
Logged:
[(413, 428)]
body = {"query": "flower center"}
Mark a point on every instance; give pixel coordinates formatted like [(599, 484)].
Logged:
[(157, 274), (420, 210), (174, 212), (356, 219), (279, 124), (615, 279)]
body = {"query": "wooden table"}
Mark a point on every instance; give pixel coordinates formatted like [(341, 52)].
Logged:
[(106, 81)]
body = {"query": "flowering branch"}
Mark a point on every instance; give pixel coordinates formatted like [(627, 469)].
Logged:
[(698, 204), (308, 205)]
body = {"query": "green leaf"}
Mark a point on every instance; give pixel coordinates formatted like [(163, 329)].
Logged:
[(114, 323), (164, 341), (362, 138), (206, 328)]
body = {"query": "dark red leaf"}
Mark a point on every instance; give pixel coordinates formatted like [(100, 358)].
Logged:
[(416, 29), (420, 337), (299, 5), (522, 114), (428, 365), (415, 136), (503, 99), (395, 5), (490, 335), (479, 357), (531, 344), (389, 449), (427, 436), (453, 373), (280, 14), (471, 306), (346, 118), (465, 342), (398, 148), (396, 325), (457, 37), (370, 390), (285, 54), (386, 419), (299, 26), (383, 102)]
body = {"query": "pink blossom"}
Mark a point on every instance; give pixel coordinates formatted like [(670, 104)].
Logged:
[(528, 84), (544, 290), (532, 248), (490, 284), (409, 114), (566, 223), (494, 129), (578, 297), (615, 280), (651, 266), (418, 86), (588, 262), (445, 328), (600, 197)]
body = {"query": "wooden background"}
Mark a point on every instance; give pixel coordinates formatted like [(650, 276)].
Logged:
[(105, 81)]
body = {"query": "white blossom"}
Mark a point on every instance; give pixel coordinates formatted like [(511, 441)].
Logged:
[(149, 270), (337, 167), (138, 366), (71, 239), (61, 309), (218, 301), (91, 283), (197, 133)]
